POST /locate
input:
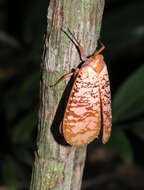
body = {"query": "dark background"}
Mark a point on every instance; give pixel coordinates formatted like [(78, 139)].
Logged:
[(116, 165)]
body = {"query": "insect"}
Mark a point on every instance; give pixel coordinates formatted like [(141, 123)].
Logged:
[(88, 111)]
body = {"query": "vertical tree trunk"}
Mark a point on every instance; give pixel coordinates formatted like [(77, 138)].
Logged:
[(58, 166)]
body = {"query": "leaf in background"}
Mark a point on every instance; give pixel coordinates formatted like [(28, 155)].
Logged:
[(23, 154), (128, 100), (34, 26), (128, 28), (121, 145), (34, 19), (17, 100), (23, 130), (138, 129), (10, 174), (9, 40), (30, 83)]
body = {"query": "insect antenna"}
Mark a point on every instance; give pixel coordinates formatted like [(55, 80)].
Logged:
[(76, 43), (100, 42), (101, 49)]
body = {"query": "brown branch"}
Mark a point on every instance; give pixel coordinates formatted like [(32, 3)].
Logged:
[(57, 165)]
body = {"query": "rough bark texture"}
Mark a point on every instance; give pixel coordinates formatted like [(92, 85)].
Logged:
[(57, 165)]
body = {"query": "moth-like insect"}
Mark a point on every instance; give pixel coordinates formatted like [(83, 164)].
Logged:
[(88, 110)]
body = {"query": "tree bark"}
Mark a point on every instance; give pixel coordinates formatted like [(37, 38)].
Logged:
[(59, 166)]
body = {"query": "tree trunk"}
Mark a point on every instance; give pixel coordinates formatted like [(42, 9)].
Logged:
[(57, 165)]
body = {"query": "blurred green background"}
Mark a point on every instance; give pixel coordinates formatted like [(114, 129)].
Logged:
[(116, 165)]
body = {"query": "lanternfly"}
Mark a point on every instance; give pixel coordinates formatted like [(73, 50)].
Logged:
[(88, 110)]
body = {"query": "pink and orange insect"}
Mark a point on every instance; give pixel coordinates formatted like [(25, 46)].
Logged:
[(88, 111)]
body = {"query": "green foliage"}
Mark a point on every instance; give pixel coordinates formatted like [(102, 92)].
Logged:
[(21, 115), (20, 100), (138, 129), (20, 132), (128, 99), (127, 104), (23, 154), (34, 24), (19, 97), (10, 174), (120, 144), (8, 39)]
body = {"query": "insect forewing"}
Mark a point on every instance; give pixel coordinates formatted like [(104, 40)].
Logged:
[(82, 119), (105, 97)]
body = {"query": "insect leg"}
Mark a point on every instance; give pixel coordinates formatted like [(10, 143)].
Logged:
[(76, 72), (62, 78)]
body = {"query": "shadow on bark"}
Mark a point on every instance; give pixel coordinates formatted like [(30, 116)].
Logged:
[(58, 119)]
